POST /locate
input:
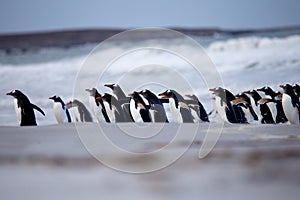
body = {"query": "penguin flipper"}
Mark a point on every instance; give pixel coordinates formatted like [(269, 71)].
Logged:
[(38, 109), (68, 116), (145, 115)]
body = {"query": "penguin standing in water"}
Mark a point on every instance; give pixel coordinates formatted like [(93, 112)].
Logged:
[(179, 108), (200, 111), (61, 112), (157, 110), (94, 104), (24, 108), (82, 113), (280, 116), (290, 104), (122, 98), (262, 110), (113, 108), (228, 111), (244, 102), (138, 109)]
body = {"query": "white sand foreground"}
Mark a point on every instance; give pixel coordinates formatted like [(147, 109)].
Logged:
[(248, 162)]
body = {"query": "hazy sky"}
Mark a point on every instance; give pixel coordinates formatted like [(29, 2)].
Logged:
[(43, 15)]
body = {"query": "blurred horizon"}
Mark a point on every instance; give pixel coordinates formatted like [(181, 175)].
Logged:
[(34, 16)]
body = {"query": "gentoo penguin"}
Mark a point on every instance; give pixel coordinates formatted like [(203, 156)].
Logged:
[(81, 112), (200, 111), (113, 108), (243, 101), (271, 104), (94, 104), (61, 112), (290, 104), (221, 105), (280, 116), (262, 110), (138, 109), (157, 110), (179, 108), (24, 109), (227, 111), (122, 98)]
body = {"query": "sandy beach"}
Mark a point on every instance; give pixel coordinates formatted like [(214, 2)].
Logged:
[(248, 162)]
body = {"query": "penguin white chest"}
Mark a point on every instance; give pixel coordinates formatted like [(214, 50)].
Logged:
[(77, 114), (95, 109), (220, 108), (175, 111), (290, 111), (135, 112), (60, 113), (18, 111), (256, 108), (110, 112)]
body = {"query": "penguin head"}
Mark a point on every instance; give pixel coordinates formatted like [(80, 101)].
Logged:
[(107, 97), (15, 93), (147, 94), (287, 88), (91, 91), (111, 86), (218, 91), (70, 104), (167, 94), (267, 90), (192, 96), (134, 95), (296, 88), (56, 98)]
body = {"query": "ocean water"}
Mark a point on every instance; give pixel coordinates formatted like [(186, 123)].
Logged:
[(243, 62)]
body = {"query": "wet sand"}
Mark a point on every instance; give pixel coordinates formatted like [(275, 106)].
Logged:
[(248, 162)]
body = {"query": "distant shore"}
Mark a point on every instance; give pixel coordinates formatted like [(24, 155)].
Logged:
[(68, 38)]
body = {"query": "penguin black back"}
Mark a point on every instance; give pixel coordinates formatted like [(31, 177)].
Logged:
[(264, 109), (139, 102), (27, 113)]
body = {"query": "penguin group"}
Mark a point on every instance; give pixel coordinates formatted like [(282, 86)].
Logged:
[(261, 105), (145, 106)]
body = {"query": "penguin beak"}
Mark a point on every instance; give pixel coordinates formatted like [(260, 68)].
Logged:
[(213, 90), (51, 98), (140, 92), (9, 93), (162, 95), (281, 86), (88, 90), (98, 98), (69, 104), (247, 92), (111, 86), (130, 95), (188, 95)]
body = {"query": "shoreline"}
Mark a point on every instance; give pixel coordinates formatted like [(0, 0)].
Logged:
[(69, 38)]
